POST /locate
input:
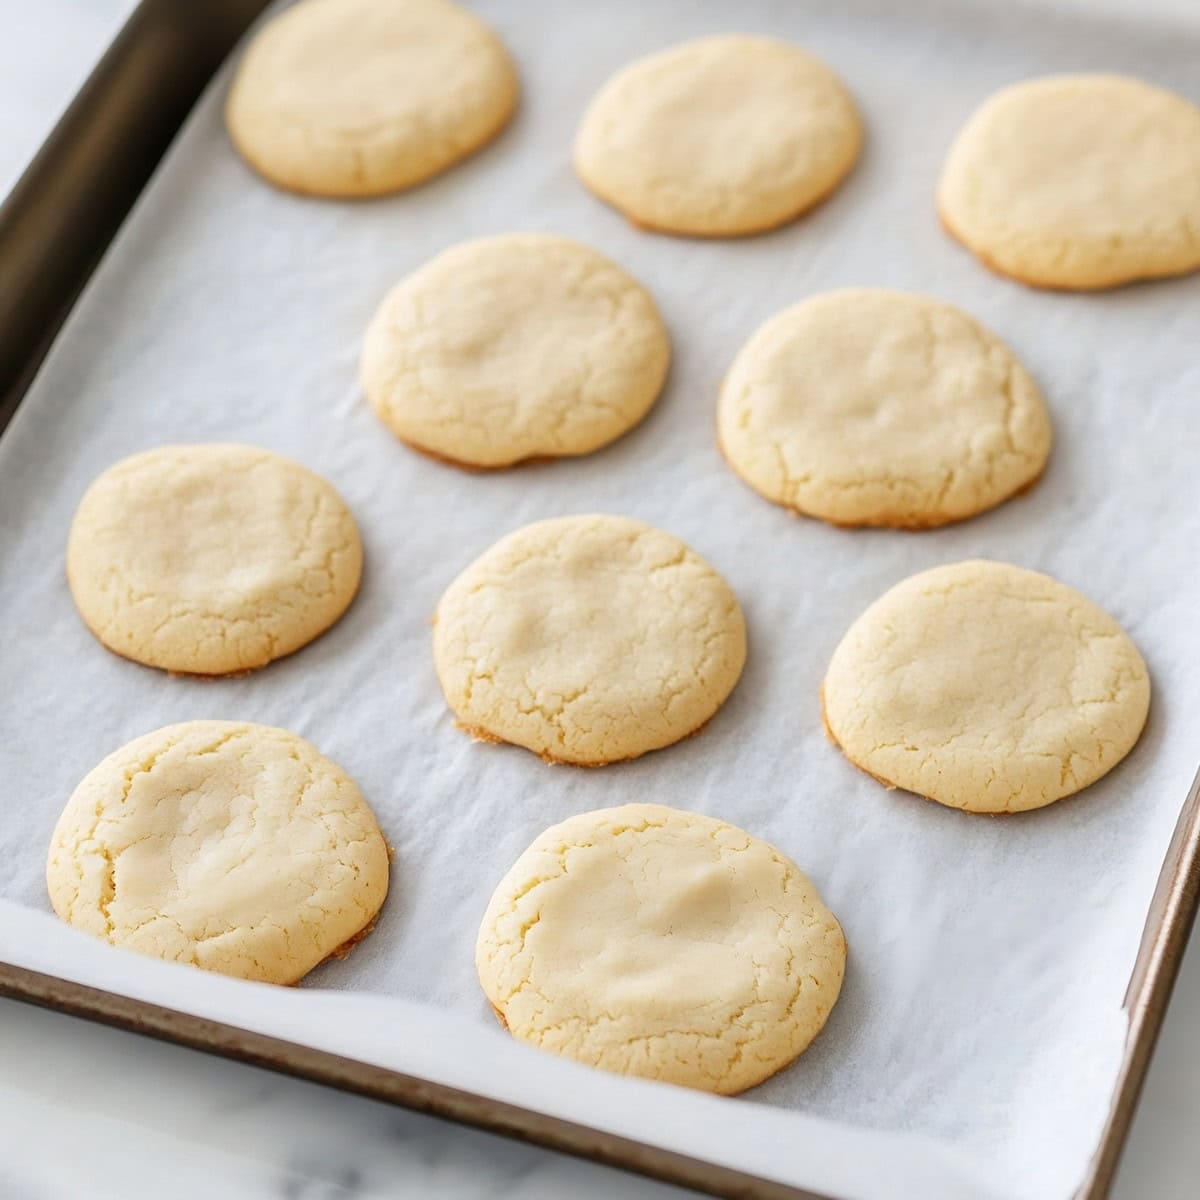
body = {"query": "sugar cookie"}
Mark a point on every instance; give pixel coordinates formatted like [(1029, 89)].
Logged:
[(233, 847), (653, 942), (872, 407), (1078, 181), (588, 640), (211, 559), (514, 347), (352, 98), (986, 687), (718, 137)]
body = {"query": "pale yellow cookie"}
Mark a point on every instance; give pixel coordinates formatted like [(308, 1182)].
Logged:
[(653, 942), (212, 558), (351, 98), (986, 687), (233, 847), (718, 137), (873, 407), (588, 640), (514, 347), (1078, 181)]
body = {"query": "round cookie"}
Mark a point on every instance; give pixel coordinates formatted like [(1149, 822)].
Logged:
[(1078, 181), (719, 137), (653, 942), (210, 559), (351, 98), (986, 687), (514, 347), (588, 640), (873, 407), (233, 847)]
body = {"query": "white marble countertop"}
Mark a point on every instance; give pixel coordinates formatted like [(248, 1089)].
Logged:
[(91, 1112)]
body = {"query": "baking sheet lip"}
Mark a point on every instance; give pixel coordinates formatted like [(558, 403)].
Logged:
[(1176, 902), (383, 1083), (77, 230), (1160, 952)]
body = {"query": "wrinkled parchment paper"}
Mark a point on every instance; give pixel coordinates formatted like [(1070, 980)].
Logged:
[(977, 1038)]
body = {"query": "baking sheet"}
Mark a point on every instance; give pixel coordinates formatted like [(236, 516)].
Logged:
[(980, 1028)]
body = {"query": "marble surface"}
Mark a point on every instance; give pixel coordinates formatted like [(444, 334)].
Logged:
[(92, 1112)]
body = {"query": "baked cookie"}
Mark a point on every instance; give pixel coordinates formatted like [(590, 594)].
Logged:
[(1078, 181), (211, 559), (233, 847), (719, 137), (352, 98), (588, 640), (986, 687), (873, 407), (514, 347), (653, 942)]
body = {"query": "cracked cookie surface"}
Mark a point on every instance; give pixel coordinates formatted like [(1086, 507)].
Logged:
[(986, 687), (873, 407), (1078, 181), (237, 848), (350, 98), (514, 347), (648, 941), (211, 558), (588, 640), (718, 137)]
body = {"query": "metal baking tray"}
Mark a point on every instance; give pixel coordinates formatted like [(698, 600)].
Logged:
[(54, 228)]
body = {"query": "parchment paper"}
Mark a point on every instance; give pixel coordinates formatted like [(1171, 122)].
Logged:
[(976, 1042)]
